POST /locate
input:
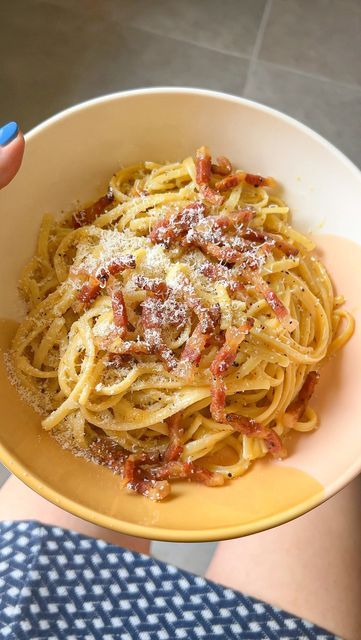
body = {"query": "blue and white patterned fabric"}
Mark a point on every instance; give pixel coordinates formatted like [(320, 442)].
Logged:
[(56, 584)]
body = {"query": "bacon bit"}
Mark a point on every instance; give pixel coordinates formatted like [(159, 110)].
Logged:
[(223, 254), (261, 236), (209, 478), (130, 468), (275, 303), (218, 402), (221, 363), (158, 313), (119, 310), (89, 291), (136, 479), (215, 313), (206, 317), (230, 181), (231, 220), (217, 272), (259, 181), (151, 489), (88, 215), (119, 360), (175, 432), (152, 322), (167, 230), (286, 247), (209, 194), (154, 285), (254, 429), (157, 345), (195, 346), (162, 232), (297, 407), (227, 355), (308, 387), (223, 166), (116, 266), (121, 264), (203, 165), (127, 349), (108, 453), (178, 470), (269, 295), (142, 472)]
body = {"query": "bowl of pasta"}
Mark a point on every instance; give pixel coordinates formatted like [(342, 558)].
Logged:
[(180, 316)]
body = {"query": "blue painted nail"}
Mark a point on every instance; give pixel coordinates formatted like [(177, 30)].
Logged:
[(8, 133)]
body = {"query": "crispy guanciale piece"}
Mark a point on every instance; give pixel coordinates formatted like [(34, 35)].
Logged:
[(211, 195), (203, 165), (121, 264), (262, 236), (275, 303), (135, 476), (148, 473), (126, 351), (195, 346), (175, 432), (89, 291), (88, 215), (169, 229), (222, 166), (218, 399), (259, 181), (228, 353), (108, 453), (152, 327), (297, 407), (179, 470), (208, 318), (120, 316), (230, 181), (155, 490), (119, 360), (254, 429), (157, 345), (235, 218), (158, 313), (217, 272), (223, 254), (114, 267), (220, 365), (269, 295), (154, 285)]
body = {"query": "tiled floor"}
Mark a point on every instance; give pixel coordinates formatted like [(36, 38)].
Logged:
[(299, 56)]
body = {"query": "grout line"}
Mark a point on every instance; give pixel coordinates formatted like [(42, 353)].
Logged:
[(253, 59), (154, 32), (312, 76), (258, 43)]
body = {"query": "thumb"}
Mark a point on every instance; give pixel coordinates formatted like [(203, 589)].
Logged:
[(11, 152)]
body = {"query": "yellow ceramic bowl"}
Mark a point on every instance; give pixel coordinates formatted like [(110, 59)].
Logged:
[(69, 158)]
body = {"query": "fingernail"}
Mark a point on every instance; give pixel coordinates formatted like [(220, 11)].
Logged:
[(8, 133)]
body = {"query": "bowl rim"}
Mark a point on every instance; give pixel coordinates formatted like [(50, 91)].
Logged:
[(165, 534)]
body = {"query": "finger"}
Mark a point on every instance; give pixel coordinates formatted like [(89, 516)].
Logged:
[(11, 152)]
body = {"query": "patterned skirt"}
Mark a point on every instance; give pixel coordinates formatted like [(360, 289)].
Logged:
[(57, 584)]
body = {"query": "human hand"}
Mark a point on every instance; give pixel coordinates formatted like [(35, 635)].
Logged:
[(11, 152)]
